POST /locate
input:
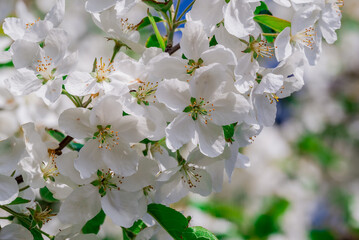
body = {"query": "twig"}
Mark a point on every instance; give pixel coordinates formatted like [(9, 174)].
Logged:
[(173, 49)]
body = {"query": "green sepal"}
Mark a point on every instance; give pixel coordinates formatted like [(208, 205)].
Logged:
[(96, 183), (102, 191), (188, 109), (134, 93), (251, 39), (193, 100), (247, 50)]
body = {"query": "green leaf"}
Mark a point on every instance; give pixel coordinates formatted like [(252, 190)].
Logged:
[(268, 223), (93, 225), (46, 195), (19, 200), (231, 212), (314, 146), (157, 32), (277, 24), (152, 42), (262, 9), (171, 220), (59, 136), (321, 235), (146, 22), (159, 6), (198, 233)]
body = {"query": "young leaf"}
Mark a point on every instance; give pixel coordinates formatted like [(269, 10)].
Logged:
[(19, 200), (159, 6), (93, 225), (263, 9), (198, 233), (277, 24), (157, 32), (171, 220)]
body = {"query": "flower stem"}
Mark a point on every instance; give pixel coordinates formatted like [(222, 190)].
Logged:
[(24, 188), (186, 10), (177, 8), (25, 219)]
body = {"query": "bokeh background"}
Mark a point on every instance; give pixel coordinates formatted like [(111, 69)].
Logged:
[(303, 182)]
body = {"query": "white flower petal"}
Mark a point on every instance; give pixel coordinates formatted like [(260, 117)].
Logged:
[(25, 53), (211, 139), (8, 189), (14, 28), (194, 41), (180, 131), (11, 151), (238, 18), (54, 89), (283, 48), (145, 176), (81, 84), (219, 54), (94, 6), (83, 204), (75, 122), (15, 232), (124, 208), (90, 159), (23, 82), (120, 159), (174, 94), (56, 14), (34, 144)]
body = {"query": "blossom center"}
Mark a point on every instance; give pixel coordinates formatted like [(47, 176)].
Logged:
[(102, 71), (29, 25), (145, 92), (106, 137), (49, 170), (262, 48), (107, 181), (193, 65), (199, 108), (190, 176), (127, 27), (305, 37), (45, 69)]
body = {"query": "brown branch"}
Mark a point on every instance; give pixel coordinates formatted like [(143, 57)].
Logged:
[(19, 179), (173, 49), (63, 144)]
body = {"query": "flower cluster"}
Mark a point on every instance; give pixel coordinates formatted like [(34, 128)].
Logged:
[(155, 126)]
